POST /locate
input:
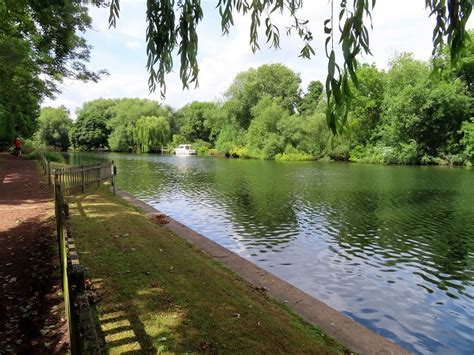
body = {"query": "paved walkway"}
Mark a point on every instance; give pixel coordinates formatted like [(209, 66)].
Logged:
[(31, 318)]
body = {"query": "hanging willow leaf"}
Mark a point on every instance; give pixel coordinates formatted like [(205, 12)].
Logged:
[(163, 35)]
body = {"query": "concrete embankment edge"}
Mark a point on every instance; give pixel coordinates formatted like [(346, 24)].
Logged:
[(353, 335)]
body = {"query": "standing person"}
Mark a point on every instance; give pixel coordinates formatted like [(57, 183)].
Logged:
[(18, 147)]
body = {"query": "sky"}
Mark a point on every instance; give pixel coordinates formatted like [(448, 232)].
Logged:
[(398, 26)]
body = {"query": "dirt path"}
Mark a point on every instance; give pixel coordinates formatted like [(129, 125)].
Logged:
[(31, 318)]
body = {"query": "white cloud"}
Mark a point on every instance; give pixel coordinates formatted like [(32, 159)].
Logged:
[(133, 44)]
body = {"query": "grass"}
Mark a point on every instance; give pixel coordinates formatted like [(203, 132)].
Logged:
[(158, 293)]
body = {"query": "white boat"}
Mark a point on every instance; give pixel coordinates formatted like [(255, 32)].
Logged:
[(184, 149)]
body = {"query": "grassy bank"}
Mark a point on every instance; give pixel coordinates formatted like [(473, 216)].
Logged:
[(157, 293)]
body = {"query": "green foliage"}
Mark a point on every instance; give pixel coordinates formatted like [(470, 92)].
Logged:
[(293, 154), (405, 117), (467, 129), (309, 134), (91, 128), (39, 47), (176, 140), (124, 117), (309, 101), (54, 125), (418, 109), (230, 139), (263, 139), (150, 133), (51, 156), (367, 103), (199, 120), (165, 33), (465, 66), (401, 116), (20, 89), (271, 80), (202, 147), (29, 146)]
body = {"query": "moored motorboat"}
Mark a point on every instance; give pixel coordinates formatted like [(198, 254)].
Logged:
[(184, 149)]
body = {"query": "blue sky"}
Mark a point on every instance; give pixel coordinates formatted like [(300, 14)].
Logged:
[(399, 26)]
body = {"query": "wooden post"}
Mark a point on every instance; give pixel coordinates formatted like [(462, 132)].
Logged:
[(113, 177), (83, 179), (48, 171), (98, 175), (57, 210)]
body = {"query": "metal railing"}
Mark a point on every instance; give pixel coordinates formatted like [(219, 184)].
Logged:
[(70, 180), (77, 178), (82, 332)]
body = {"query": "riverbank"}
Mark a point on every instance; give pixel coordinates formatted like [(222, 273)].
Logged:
[(158, 293)]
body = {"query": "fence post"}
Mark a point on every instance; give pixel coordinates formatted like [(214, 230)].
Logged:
[(113, 177), (98, 174), (83, 179), (48, 171)]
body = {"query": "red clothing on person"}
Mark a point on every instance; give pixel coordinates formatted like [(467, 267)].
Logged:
[(17, 143)]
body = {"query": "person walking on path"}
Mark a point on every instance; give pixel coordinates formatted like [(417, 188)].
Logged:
[(18, 145)]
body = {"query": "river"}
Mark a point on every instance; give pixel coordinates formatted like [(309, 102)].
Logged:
[(392, 247)]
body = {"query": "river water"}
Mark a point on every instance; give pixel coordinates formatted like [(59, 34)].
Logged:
[(392, 247)]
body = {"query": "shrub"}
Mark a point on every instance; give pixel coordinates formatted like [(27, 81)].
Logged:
[(202, 147), (293, 154), (50, 155), (467, 129), (409, 153)]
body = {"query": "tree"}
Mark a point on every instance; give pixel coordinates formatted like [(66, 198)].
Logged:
[(405, 117), (20, 90), (464, 67), (270, 80), (467, 129), (308, 134), (199, 120), (151, 132), (367, 102), (263, 138), (91, 129), (231, 138), (420, 110), (309, 101), (54, 125), (38, 48), (165, 33), (124, 116)]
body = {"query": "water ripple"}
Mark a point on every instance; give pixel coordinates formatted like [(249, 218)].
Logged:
[(391, 247)]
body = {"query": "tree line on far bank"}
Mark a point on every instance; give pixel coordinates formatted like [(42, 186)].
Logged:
[(404, 115)]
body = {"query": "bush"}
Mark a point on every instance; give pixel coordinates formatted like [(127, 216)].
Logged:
[(272, 146), (214, 152), (202, 147), (53, 156), (409, 153), (467, 129), (293, 154), (340, 153), (358, 153), (242, 152)]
